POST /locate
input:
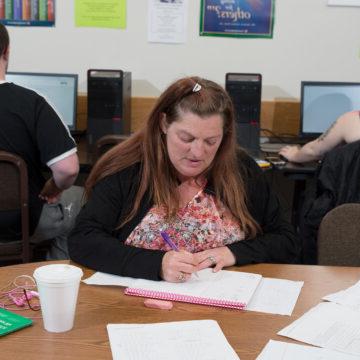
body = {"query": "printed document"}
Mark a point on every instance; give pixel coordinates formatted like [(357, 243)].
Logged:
[(275, 296), (287, 351), (167, 21), (328, 325), (349, 297), (197, 339)]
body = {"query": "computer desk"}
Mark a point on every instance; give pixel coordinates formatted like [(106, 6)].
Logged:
[(246, 331)]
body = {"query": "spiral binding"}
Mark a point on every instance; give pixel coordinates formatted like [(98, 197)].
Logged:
[(185, 298)]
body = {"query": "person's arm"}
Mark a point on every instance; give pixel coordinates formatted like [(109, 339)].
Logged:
[(98, 243), (277, 243), (338, 132), (57, 150), (64, 173)]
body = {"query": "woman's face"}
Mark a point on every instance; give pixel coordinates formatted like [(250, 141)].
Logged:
[(192, 142)]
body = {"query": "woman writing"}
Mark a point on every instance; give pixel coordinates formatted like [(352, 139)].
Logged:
[(183, 176)]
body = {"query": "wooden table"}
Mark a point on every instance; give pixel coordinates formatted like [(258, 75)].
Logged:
[(247, 332)]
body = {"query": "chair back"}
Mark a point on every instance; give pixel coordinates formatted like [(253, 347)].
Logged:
[(337, 183), (106, 142), (338, 239), (14, 207)]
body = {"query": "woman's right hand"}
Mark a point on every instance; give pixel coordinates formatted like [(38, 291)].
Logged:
[(177, 266)]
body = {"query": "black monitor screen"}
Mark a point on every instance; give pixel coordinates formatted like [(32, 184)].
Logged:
[(323, 102), (60, 90)]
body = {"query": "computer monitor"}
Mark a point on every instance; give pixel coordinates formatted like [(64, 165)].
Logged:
[(60, 90), (322, 103)]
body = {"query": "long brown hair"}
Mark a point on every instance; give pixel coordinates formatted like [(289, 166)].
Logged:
[(158, 176)]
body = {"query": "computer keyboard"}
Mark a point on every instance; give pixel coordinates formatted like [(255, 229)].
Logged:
[(274, 147), (290, 139)]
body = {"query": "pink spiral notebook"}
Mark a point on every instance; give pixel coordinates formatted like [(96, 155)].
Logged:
[(230, 289), (185, 298)]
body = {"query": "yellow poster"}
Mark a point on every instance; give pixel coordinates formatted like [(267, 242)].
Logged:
[(100, 13)]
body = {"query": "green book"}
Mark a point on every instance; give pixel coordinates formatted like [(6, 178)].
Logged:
[(43, 10), (9, 9), (10, 322)]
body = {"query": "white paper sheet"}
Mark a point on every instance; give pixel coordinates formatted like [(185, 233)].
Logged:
[(167, 21), (274, 296), (100, 278), (328, 325), (348, 297), (198, 339), (278, 350)]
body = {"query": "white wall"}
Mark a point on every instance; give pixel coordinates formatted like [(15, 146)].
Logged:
[(311, 42)]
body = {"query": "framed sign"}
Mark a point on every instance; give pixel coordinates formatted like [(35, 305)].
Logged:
[(27, 12), (237, 18)]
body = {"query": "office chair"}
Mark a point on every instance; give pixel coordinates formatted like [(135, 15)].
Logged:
[(14, 208), (106, 142), (339, 236)]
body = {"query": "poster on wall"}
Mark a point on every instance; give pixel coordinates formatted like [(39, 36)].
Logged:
[(167, 21), (100, 13), (237, 18), (27, 12)]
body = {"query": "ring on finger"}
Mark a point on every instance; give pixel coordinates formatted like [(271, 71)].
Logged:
[(181, 277), (212, 260)]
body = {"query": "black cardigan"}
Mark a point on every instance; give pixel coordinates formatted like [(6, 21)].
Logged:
[(96, 242)]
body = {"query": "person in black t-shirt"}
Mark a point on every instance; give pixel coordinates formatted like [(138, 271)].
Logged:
[(30, 128)]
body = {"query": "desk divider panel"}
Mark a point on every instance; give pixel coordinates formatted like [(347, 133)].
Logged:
[(281, 116)]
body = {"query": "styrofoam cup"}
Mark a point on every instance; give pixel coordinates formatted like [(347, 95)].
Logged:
[(58, 286)]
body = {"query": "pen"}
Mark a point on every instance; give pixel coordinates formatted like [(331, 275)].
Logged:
[(168, 240)]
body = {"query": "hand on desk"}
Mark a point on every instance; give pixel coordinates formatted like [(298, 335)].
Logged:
[(219, 258), (290, 152), (177, 266)]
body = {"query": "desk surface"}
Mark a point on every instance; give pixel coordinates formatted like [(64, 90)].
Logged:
[(247, 332)]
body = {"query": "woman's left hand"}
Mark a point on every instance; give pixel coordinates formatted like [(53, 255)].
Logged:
[(219, 257)]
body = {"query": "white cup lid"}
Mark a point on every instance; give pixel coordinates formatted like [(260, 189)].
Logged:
[(57, 273)]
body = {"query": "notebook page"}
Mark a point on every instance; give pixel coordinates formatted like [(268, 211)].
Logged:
[(198, 339), (223, 285)]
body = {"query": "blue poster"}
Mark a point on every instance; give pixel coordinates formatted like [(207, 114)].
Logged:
[(237, 18)]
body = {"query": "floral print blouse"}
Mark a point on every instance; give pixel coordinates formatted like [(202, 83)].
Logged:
[(202, 224)]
